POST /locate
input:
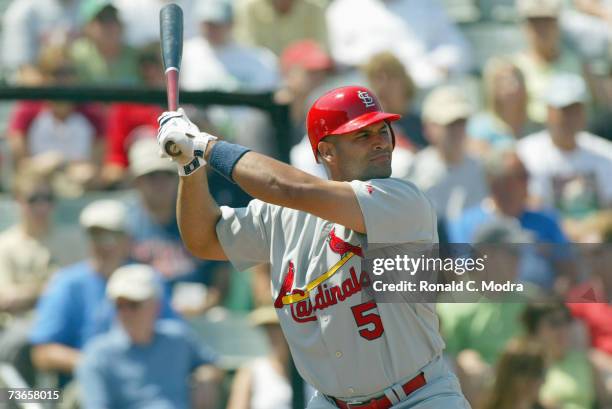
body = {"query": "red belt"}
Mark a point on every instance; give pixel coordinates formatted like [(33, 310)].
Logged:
[(383, 402)]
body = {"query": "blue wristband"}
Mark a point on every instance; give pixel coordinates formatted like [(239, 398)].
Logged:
[(224, 156)]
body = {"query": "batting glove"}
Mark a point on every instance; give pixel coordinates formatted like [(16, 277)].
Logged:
[(176, 128)]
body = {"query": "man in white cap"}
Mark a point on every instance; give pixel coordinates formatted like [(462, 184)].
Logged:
[(73, 308), (142, 362), (569, 167), (155, 234), (451, 179)]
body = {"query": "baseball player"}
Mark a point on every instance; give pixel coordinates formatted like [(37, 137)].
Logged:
[(314, 232)]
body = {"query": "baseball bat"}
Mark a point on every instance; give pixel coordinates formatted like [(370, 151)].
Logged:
[(171, 36)]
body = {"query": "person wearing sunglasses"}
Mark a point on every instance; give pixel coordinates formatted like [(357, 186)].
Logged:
[(142, 361), (64, 137), (507, 182), (28, 256), (73, 308)]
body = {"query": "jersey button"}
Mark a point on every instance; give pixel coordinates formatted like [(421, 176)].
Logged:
[(338, 354)]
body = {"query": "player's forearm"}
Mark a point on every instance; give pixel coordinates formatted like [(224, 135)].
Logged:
[(272, 181), (277, 183), (197, 215)]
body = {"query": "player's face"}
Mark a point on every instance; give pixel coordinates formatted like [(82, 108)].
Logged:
[(361, 155)]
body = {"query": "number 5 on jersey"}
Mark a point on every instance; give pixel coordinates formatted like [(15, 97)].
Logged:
[(370, 324)]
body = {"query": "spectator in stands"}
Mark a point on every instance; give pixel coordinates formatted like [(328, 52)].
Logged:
[(128, 121), (73, 307), (475, 349), (101, 56), (589, 25), (570, 380), (265, 382), (600, 83), (507, 181), (305, 66), (396, 91), (28, 257), (214, 60), (155, 233), (569, 168), (141, 20), (61, 135), (142, 361), (274, 24), (544, 56), (590, 300), (31, 25), (431, 52), (453, 180), (518, 377), (599, 8), (504, 118)]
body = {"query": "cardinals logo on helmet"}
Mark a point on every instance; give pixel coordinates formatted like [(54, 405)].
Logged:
[(364, 96)]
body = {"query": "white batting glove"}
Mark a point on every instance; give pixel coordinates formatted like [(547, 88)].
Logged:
[(175, 127)]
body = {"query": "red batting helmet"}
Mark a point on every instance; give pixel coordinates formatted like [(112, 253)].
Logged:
[(344, 110)]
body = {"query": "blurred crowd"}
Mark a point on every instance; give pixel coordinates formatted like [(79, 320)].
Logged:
[(511, 148)]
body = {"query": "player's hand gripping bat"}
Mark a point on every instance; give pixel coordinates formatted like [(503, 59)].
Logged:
[(171, 35)]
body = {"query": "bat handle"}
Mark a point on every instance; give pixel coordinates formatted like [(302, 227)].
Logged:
[(172, 87)]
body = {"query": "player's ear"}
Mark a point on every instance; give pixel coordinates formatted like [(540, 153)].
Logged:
[(327, 151)]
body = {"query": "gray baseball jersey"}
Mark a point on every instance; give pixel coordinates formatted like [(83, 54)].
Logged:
[(344, 344)]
